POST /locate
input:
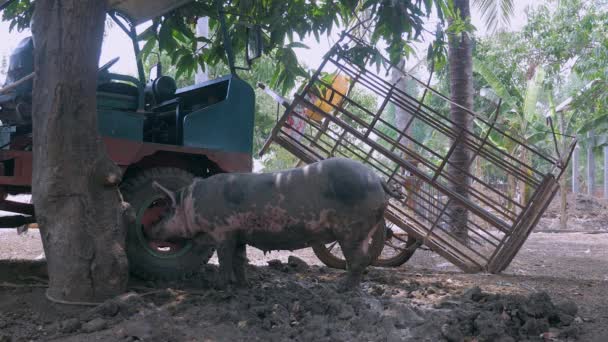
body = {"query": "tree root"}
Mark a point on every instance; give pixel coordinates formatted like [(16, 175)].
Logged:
[(149, 292)]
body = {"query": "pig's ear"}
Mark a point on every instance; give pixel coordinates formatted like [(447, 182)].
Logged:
[(168, 192)]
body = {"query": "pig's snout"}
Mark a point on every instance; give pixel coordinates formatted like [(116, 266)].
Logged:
[(168, 228), (157, 231)]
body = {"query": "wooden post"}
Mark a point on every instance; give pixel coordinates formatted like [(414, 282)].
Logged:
[(605, 171), (590, 165)]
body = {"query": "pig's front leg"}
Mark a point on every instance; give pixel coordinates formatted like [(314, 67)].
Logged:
[(240, 261), (225, 255)]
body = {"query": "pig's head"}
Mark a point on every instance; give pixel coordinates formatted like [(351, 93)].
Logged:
[(173, 225)]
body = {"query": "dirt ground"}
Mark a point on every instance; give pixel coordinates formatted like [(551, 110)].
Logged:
[(555, 290)]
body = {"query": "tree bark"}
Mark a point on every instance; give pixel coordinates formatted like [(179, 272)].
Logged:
[(460, 57), (78, 206)]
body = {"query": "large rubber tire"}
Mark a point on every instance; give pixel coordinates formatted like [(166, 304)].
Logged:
[(337, 261), (399, 258), (144, 261)]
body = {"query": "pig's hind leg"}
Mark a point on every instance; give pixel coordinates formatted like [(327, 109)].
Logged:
[(240, 262), (226, 255)]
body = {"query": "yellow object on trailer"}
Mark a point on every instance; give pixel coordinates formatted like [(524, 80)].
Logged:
[(332, 96)]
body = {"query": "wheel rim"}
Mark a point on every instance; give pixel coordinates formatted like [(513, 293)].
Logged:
[(334, 250), (396, 243), (148, 214)]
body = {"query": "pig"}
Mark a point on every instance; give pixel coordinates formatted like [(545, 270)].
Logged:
[(337, 199)]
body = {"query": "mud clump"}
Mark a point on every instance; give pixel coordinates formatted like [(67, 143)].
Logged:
[(491, 317), (585, 213), (297, 263)]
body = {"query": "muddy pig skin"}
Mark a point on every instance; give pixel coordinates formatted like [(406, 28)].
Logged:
[(337, 199)]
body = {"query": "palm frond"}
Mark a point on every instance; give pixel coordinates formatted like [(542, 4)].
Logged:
[(495, 13)]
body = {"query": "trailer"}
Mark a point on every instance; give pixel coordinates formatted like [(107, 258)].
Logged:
[(325, 120)]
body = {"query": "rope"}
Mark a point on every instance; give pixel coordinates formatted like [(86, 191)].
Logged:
[(18, 286), (66, 302)]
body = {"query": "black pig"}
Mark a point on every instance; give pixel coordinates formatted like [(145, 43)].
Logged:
[(337, 199)]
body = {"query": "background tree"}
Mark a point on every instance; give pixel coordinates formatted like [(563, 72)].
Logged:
[(460, 57), (567, 40), (521, 117), (460, 60), (285, 24)]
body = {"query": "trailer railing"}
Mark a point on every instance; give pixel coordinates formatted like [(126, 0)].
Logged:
[(484, 177)]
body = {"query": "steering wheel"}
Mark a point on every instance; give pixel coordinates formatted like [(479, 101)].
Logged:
[(108, 65)]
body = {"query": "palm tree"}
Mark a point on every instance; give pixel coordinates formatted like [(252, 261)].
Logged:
[(460, 60)]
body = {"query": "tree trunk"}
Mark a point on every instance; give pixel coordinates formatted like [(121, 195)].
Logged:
[(590, 165), (74, 187), (460, 56)]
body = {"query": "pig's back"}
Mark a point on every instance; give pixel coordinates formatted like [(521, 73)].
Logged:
[(336, 183)]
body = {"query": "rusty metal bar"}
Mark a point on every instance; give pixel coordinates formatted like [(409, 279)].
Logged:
[(410, 99), (359, 41), (407, 165), (17, 207), (407, 151), (520, 176), (473, 192), (448, 132)]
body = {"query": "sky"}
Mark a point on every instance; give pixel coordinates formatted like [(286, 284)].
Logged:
[(117, 44)]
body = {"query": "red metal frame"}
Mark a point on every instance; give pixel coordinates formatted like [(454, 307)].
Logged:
[(124, 153)]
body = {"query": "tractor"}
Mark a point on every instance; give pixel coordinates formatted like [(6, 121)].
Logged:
[(152, 130)]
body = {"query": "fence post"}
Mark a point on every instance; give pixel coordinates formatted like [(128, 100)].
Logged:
[(605, 171), (590, 164), (576, 185)]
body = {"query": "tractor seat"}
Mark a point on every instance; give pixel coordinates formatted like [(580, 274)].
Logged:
[(118, 88)]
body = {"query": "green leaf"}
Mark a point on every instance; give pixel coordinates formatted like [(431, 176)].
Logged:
[(484, 71), (297, 45), (147, 49), (533, 90), (598, 123)]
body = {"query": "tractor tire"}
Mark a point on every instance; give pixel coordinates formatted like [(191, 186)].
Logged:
[(152, 260), (336, 260)]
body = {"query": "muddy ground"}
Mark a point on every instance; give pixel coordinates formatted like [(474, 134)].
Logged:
[(555, 290)]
